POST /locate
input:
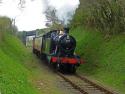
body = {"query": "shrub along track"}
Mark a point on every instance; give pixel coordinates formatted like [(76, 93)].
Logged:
[(84, 85)]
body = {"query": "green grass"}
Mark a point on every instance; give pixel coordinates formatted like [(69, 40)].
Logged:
[(22, 73), (44, 78), (14, 77), (104, 56)]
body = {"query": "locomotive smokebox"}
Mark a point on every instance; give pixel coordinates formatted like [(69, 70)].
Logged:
[(67, 45)]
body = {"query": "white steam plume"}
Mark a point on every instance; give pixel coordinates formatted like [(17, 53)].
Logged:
[(65, 8)]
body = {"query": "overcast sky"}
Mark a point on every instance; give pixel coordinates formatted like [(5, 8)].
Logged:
[(32, 16)]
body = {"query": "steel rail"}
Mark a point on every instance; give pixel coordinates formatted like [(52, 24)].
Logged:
[(86, 80)]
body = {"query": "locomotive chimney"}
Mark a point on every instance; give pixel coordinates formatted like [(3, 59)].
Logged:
[(66, 30)]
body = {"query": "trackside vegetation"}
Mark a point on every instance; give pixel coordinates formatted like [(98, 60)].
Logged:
[(20, 71), (98, 26), (104, 58), (14, 77)]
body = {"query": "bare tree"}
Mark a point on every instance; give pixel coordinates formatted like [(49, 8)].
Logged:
[(53, 21), (51, 15), (21, 4)]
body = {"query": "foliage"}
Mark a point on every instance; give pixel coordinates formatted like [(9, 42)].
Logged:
[(14, 77), (105, 15), (104, 57), (7, 26), (103, 52), (53, 21)]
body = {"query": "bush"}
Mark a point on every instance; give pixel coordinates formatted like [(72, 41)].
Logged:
[(7, 26), (105, 15)]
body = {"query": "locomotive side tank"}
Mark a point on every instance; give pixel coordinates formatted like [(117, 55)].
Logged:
[(59, 49)]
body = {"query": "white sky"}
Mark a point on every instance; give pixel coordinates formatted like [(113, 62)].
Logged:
[(32, 16), (63, 7)]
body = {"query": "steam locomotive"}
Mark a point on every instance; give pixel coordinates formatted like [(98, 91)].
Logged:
[(58, 48)]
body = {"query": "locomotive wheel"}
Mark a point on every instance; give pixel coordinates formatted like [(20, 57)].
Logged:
[(53, 65), (72, 69), (58, 67)]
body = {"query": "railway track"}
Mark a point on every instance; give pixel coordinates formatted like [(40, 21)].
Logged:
[(83, 85)]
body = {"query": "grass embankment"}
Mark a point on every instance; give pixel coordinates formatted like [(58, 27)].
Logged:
[(104, 56), (14, 77), (20, 71)]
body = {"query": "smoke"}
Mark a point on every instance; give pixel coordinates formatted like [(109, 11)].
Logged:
[(65, 9), (30, 14)]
